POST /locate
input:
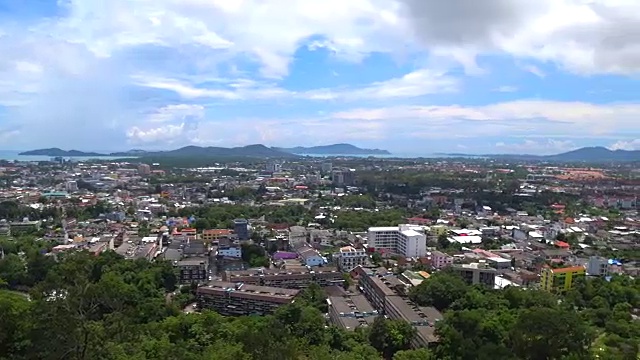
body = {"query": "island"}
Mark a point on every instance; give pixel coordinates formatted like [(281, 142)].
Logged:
[(335, 149)]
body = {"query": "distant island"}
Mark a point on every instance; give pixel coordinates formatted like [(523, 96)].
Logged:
[(335, 149), (257, 151), (585, 154)]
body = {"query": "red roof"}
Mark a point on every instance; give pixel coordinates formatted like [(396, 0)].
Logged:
[(562, 244)]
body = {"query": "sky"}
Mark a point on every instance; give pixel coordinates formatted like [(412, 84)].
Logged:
[(409, 76)]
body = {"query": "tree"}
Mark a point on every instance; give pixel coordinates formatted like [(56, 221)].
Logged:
[(390, 336), (376, 258), (440, 291), (202, 224), (418, 354), (347, 281)]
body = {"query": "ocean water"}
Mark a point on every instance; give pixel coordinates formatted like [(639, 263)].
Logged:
[(13, 156)]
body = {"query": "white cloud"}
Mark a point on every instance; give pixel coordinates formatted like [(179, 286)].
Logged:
[(532, 147), (633, 144), (561, 117), (506, 88)]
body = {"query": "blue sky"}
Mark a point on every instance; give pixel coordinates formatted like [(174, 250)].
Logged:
[(410, 76)]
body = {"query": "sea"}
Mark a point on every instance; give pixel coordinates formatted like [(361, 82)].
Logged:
[(9, 155)]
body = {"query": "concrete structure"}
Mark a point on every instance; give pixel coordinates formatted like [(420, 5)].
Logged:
[(237, 299), (192, 269), (241, 228), (439, 259), (351, 312), (349, 257), (560, 280), (310, 256), (212, 235), (477, 273), (597, 266), (406, 240), (230, 252), (286, 278), (71, 186), (144, 169)]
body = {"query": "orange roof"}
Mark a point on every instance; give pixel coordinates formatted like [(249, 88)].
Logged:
[(568, 269), (217, 232), (569, 220)]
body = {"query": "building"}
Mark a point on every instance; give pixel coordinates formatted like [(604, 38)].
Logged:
[(234, 252), (213, 235), (597, 266), (439, 260), (241, 228), (192, 269), (477, 273), (406, 240), (422, 318), (327, 167), (24, 226), (144, 169), (237, 299), (351, 312), (349, 257), (273, 167), (286, 278), (560, 280), (71, 186), (311, 257)]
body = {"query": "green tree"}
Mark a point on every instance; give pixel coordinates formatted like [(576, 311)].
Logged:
[(390, 336)]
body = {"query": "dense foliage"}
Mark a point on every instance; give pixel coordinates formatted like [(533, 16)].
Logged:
[(593, 319)]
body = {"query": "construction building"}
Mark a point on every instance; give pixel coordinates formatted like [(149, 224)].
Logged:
[(477, 273), (238, 299)]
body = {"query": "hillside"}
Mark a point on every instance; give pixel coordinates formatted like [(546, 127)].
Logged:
[(60, 152), (586, 154), (335, 149)]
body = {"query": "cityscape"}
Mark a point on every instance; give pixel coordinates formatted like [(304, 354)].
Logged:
[(319, 180)]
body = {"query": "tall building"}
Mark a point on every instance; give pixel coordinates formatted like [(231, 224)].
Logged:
[(327, 167), (406, 240), (241, 228), (273, 167), (560, 280), (72, 186), (144, 169)]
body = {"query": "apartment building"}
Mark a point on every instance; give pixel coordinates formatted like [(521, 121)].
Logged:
[(192, 269), (422, 318), (241, 228), (286, 278), (439, 260), (232, 252), (477, 273), (351, 312), (385, 292), (406, 240), (238, 299), (598, 266), (349, 257), (212, 235), (560, 280)]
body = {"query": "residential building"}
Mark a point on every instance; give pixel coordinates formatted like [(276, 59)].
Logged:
[(560, 280), (234, 252), (327, 167), (238, 299), (406, 240), (422, 318), (477, 273), (286, 278), (310, 256), (213, 235), (144, 169), (597, 266), (351, 312), (192, 269), (71, 186), (440, 260), (24, 225), (349, 257), (241, 228), (273, 167)]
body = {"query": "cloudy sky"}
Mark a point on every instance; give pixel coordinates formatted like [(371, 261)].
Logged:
[(410, 76)]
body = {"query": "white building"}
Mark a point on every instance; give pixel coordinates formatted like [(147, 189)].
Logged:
[(273, 167), (230, 252), (349, 257), (597, 266), (406, 240), (72, 186)]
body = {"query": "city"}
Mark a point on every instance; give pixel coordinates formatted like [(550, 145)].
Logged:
[(367, 237)]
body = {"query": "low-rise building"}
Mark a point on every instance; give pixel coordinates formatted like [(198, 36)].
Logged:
[(238, 299), (234, 252), (192, 269), (286, 278), (351, 312), (597, 266), (477, 273)]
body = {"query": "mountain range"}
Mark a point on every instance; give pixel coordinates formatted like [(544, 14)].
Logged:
[(585, 154), (258, 151)]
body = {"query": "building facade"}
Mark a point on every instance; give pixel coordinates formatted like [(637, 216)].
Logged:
[(477, 273), (286, 278), (406, 240), (241, 228), (560, 280), (238, 299), (597, 266), (349, 257), (192, 270)]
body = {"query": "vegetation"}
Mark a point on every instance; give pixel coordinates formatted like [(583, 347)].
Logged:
[(593, 319)]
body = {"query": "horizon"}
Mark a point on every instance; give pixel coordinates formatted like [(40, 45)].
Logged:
[(407, 76)]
